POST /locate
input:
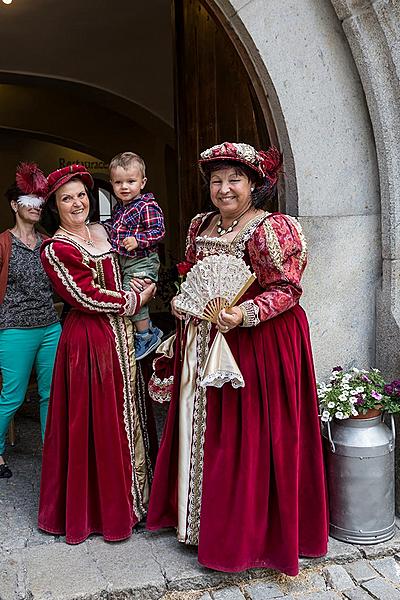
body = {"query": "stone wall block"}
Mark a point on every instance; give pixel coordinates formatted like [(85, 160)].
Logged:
[(340, 284)]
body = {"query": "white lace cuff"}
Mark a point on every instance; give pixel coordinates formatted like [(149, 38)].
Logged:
[(219, 378), (250, 312), (130, 304)]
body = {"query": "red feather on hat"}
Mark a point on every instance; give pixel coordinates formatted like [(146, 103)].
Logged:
[(271, 163), (30, 179)]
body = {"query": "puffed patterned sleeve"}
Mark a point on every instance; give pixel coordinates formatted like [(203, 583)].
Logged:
[(278, 255), (74, 281), (190, 248)]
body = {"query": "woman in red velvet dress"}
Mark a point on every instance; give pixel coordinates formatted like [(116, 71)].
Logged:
[(96, 466), (240, 470)]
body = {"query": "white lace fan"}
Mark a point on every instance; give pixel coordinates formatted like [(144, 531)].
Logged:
[(214, 283)]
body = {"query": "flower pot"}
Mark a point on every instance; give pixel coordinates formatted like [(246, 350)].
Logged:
[(370, 414)]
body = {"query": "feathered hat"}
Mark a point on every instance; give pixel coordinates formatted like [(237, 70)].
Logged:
[(265, 164), (32, 184)]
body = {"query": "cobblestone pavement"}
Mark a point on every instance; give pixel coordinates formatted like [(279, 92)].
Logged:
[(150, 566)]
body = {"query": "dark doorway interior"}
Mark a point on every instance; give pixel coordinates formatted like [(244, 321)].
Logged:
[(215, 98)]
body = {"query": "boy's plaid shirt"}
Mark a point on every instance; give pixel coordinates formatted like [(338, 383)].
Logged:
[(141, 218)]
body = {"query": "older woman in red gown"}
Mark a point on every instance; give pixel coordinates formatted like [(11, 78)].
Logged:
[(240, 470), (96, 465)]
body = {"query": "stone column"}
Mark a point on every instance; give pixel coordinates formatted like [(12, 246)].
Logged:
[(373, 32)]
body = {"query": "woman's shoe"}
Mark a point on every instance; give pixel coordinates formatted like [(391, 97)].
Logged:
[(5, 471)]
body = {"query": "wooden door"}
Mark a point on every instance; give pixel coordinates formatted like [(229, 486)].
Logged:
[(215, 99)]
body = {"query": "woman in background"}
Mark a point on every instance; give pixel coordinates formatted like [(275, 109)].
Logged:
[(29, 325)]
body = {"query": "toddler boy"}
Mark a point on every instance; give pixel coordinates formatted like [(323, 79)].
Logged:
[(135, 229)]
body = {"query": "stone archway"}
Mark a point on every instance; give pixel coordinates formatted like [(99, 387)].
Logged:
[(303, 60)]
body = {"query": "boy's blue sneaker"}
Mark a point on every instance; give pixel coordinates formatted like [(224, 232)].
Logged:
[(147, 342), (157, 331)]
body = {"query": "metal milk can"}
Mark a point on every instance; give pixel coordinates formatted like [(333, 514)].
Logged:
[(360, 473)]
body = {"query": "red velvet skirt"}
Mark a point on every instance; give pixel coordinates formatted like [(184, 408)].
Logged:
[(86, 483), (263, 501)]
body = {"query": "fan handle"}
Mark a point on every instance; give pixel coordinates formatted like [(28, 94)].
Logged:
[(243, 290)]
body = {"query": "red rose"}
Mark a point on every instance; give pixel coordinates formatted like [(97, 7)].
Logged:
[(183, 268)]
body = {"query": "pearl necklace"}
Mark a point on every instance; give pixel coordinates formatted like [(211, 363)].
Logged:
[(87, 240), (221, 231)]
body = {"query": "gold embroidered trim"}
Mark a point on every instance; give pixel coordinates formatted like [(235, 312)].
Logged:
[(98, 273), (119, 327), (75, 291), (274, 247), (116, 271), (207, 246), (140, 398), (201, 216), (303, 241), (85, 253), (199, 428), (245, 234)]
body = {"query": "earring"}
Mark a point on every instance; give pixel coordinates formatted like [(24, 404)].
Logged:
[(252, 189)]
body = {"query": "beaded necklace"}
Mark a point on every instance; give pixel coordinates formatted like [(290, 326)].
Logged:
[(221, 231), (87, 240)]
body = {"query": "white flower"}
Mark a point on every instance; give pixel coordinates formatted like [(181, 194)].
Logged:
[(355, 370), (345, 386), (354, 412), (339, 414), (343, 397), (359, 390), (325, 416), (331, 405), (353, 393)]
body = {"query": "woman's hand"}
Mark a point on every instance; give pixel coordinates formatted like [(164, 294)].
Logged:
[(229, 319), (175, 311), (148, 294), (139, 285)]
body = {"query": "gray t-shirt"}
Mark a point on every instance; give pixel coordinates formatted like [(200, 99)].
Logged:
[(28, 301)]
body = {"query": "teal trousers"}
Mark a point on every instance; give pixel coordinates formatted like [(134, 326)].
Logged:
[(20, 351), (147, 266)]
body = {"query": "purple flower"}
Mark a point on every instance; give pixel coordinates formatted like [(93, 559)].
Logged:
[(360, 399), (338, 369), (393, 388), (376, 395), (365, 378)]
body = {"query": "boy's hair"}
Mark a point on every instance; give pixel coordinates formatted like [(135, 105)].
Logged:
[(125, 159)]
